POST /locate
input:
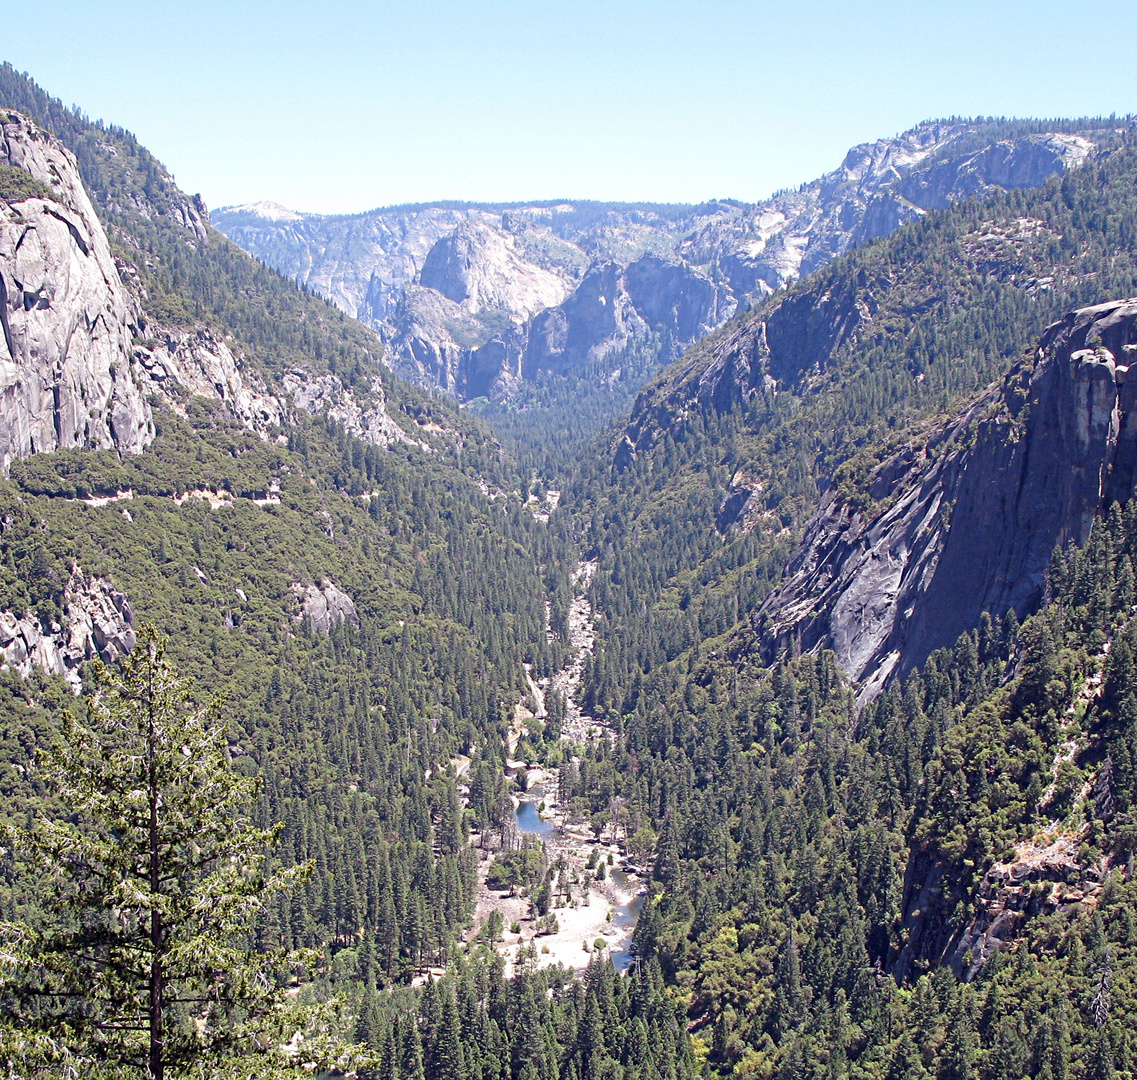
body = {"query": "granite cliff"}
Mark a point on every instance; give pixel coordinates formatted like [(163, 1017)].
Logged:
[(83, 360), (67, 377), (965, 520)]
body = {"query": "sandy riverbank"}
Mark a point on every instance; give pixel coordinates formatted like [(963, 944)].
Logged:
[(587, 917)]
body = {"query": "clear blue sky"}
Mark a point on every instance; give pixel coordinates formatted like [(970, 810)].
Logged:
[(346, 106)]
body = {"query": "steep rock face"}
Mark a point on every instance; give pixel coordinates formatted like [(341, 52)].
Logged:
[(966, 522), (619, 307), (66, 372), (879, 187), (653, 302), (794, 339), (97, 623), (196, 362), (372, 422), (475, 298), (360, 262), (1040, 880), (480, 268), (452, 349), (78, 364)]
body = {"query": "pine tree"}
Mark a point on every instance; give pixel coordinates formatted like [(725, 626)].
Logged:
[(149, 886)]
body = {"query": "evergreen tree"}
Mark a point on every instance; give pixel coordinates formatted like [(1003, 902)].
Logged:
[(150, 885)]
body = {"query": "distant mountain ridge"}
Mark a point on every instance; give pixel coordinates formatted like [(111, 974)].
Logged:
[(582, 283)]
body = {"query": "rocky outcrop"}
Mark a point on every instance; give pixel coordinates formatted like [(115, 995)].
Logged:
[(360, 262), (792, 342), (178, 363), (1040, 880), (437, 337), (879, 187), (324, 606), (79, 366), (66, 373), (370, 421), (475, 299), (97, 624), (480, 268), (795, 338), (616, 308), (966, 521), (652, 303)]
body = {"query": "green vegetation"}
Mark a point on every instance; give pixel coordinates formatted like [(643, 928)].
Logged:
[(538, 1025), (16, 185), (818, 874), (149, 888), (826, 884), (900, 333), (553, 419), (516, 868)]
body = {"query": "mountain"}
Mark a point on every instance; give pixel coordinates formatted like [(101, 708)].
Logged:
[(807, 394), (481, 300), (863, 561), (67, 318), (849, 597), (966, 521), (194, 442)]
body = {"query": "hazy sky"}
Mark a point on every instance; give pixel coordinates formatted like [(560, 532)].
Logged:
[(346, 106)]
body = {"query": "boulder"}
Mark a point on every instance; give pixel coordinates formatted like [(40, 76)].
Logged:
[(325, 605)]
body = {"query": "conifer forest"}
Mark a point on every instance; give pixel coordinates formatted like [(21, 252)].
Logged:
[(622, 720)]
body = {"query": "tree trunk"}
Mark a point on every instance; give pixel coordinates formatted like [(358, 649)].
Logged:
[(156, 1060)]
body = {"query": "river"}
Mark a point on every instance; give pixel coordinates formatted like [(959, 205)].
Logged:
[(625, 912)]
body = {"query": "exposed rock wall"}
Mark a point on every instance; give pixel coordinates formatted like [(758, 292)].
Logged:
[(966, 522), (794, 339), (480, 268), (97, 623), (371, 422), (1039, 880), (878, 187), (184, 362), (76, 367), (324, 605), (66, 372)]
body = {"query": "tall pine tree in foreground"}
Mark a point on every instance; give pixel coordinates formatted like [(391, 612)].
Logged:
[(149, 884)]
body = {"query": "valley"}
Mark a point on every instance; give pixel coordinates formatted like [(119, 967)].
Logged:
[(645, 641), (555, 313)]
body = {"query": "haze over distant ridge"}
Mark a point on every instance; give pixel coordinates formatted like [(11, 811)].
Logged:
[(354, 106)]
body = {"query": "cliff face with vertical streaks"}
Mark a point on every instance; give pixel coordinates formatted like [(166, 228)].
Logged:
[(966, 521), (67, 376)]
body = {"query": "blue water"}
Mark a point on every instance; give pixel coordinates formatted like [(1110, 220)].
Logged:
[(625, 919), (529, 821), (625, 916)]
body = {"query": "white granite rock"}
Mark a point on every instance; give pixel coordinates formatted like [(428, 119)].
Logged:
[(97, 623), (326, 605), (66, 373)]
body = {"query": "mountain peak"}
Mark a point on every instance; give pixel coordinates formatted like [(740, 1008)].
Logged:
[(266, 210)]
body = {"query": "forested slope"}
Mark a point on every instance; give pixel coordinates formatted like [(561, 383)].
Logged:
[(935, 882), (833, 891), (356, 574), (724, 460)]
